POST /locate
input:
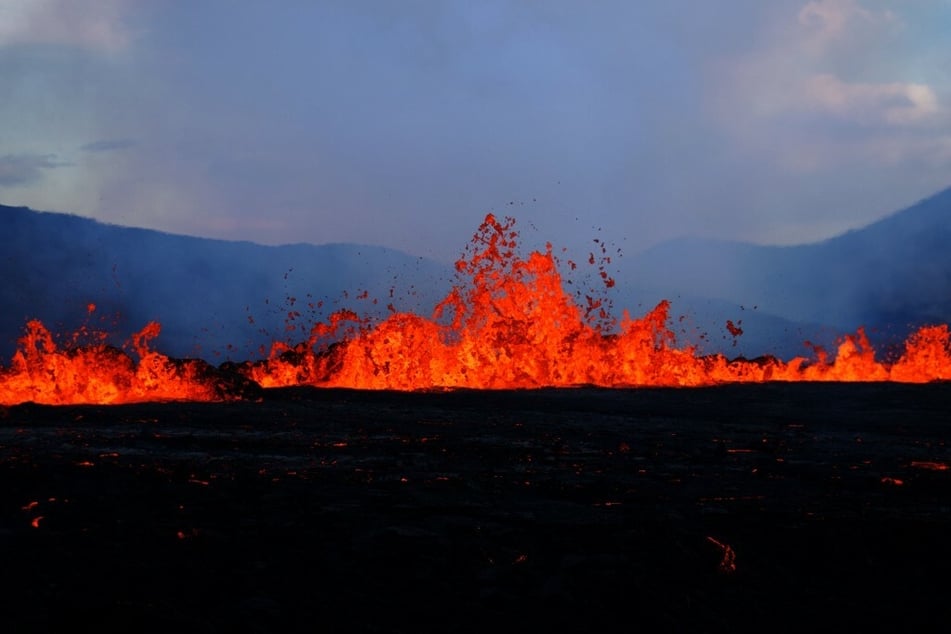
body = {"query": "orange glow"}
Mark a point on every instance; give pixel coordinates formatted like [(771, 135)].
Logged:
[(728, 560), (43, 372), (929, 465), (512, 325), (507, 323)]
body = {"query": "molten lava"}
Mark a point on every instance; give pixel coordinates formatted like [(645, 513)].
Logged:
[(508, 323), (42, 372)]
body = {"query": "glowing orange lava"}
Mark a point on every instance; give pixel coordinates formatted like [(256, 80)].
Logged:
[(514, 326), (44, 373), (509, 323)]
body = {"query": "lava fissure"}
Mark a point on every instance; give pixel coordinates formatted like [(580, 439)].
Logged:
[(507, 323)]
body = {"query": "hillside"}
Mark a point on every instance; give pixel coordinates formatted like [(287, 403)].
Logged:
[(207, 294), (889, 276), (225, 300)]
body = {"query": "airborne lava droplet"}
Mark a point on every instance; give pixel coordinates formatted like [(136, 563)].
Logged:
[(734, 329)]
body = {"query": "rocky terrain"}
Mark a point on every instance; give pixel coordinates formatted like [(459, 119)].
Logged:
[(768, 507)]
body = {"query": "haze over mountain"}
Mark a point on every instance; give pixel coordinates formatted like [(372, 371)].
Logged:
[(889, 277), (224, 300), (207, 294)]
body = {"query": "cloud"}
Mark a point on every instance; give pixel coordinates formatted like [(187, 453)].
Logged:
[(24, 169), (836, 74), (108, 145), (828, 20), (894, 103), (89, 25), (832, 114)]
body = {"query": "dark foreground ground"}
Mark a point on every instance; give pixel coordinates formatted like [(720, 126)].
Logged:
[(768, 508)]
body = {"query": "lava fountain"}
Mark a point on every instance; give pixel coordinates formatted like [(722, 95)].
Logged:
[(507, 323)]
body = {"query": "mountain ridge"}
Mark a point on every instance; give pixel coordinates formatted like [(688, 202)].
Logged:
[(225, 299), (199, 289), (891, 275)]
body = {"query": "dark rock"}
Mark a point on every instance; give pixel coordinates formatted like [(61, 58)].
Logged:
[(777, 506)]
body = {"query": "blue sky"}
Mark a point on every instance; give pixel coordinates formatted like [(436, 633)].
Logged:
[(402, 123)]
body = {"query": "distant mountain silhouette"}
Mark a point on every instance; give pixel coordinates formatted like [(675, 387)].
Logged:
[(207, 294), (224, 300), (889, 277)]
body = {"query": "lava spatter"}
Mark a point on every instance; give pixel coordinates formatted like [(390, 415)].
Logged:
[(508, 322)]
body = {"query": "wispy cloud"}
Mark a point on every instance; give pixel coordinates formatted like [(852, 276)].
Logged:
[(25, 169), (895, 103), (825, 21), (108, 145), (823, 74), (90, 25)]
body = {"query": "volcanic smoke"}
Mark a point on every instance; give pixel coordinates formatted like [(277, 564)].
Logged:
[(507, 323)]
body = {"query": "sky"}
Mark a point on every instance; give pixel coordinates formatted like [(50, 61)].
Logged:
[(403, 122)]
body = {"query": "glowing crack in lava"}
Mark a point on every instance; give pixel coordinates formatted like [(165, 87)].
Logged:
[(507, 323)]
